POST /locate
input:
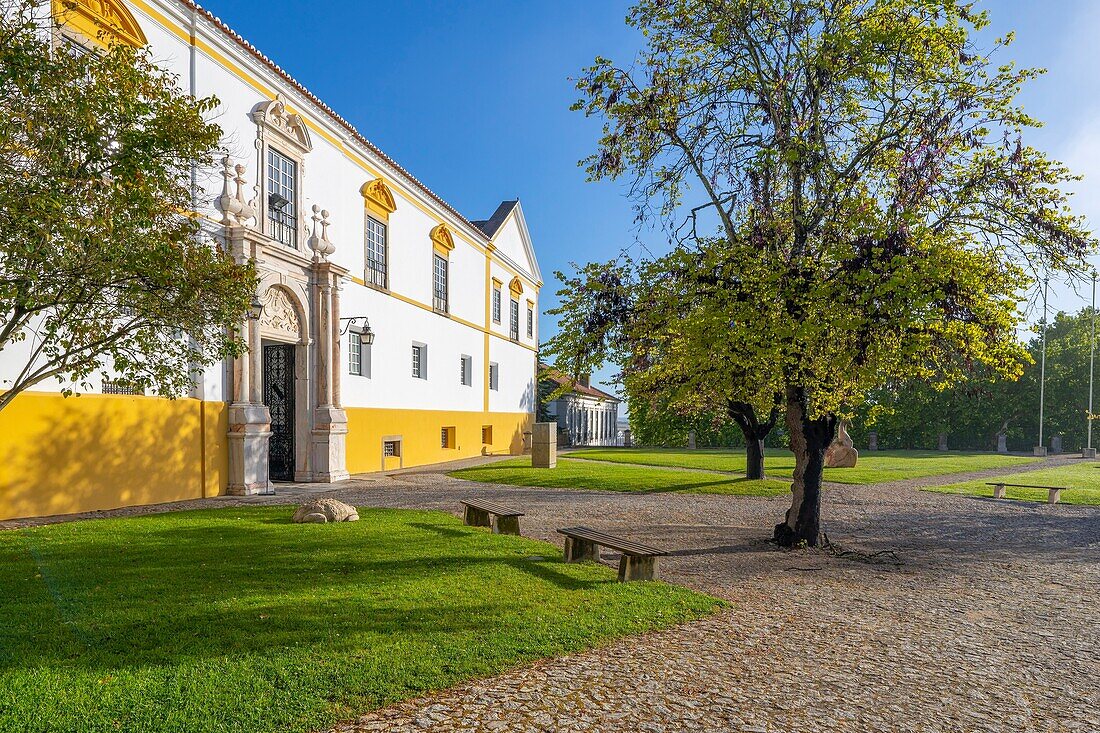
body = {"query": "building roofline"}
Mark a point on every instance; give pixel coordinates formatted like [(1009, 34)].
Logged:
[(333, 115)]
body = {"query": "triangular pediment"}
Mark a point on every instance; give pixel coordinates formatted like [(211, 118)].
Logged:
[(441, 237), (102, 21), (378, 193)]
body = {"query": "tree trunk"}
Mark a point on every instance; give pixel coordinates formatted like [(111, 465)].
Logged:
[(809, 439), (754, 457), (754, 431)]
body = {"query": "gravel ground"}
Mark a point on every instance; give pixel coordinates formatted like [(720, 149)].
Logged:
[(980, 615)]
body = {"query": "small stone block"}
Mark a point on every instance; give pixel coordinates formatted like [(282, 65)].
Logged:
[(1088, 453), (1053, 496), (506, 525), (632, 567), (580, 550), (1039, 451), (474, 517), (544, 445), (999, 491)]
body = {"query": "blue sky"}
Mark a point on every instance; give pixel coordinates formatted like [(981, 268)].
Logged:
[(473, 98)]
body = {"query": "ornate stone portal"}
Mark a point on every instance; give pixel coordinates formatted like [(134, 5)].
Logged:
[(300, 295)]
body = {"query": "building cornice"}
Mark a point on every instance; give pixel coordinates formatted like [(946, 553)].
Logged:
[(342, 130)]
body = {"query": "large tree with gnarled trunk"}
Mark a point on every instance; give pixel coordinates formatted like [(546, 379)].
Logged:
[(862, 205)]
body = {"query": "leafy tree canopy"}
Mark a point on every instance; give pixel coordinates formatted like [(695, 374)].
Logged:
[(862, 207), (101, 266)]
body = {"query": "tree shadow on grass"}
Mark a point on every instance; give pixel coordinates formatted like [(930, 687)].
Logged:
[(548, 571), (440, 529)]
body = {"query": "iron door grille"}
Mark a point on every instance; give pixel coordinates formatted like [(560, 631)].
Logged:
[(279, 398)]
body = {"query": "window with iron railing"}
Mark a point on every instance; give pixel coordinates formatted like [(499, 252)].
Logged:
[(513, 324), (282, 191), (439, 284), (376, 253)]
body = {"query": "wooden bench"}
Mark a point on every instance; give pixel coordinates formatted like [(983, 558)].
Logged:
[(1054, 493), (638, 562), (482, 513)]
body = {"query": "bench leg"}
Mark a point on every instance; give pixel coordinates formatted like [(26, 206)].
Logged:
[(632, 567), (476, 517), (999, 491), (580, 550), (1054, 496), (506, 525)]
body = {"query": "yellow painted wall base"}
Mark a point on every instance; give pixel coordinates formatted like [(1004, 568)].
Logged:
[(421, 436), (61, 455), (84, 453)]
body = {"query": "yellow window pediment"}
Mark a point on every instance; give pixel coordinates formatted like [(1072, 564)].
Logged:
[(378, 198), (442, 241), (103, 21), (516, 286)]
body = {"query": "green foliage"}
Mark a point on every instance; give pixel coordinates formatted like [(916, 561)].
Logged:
[(236, 619), (659, 424), (861, 209), (875, 211), (972, 414), (101, 265)]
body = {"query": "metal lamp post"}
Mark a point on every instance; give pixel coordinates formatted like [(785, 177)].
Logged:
[(1040, 449), (1089, 451)]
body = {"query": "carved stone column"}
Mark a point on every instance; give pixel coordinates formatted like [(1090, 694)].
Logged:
[(328, 442), (249, 419)]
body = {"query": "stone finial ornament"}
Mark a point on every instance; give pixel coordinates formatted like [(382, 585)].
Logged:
[(247, 211), (322, 511), (226, 203), (233, 207), (318, 241)]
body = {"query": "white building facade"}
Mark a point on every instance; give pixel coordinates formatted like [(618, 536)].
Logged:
[(345, 241)]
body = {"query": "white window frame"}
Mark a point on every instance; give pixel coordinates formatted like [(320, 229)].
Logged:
[(440, 276), (513, 319), (496, 303), (280, 168), (356, 346), (466, 370), (419, 356), (372, 231), (530, 322)]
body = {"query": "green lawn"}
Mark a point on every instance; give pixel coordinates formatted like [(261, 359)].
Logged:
[(570, 474), (871, 468), (237, 620), (1082, 479)]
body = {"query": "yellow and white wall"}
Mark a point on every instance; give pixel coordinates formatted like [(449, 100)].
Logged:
[(97, 451)]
